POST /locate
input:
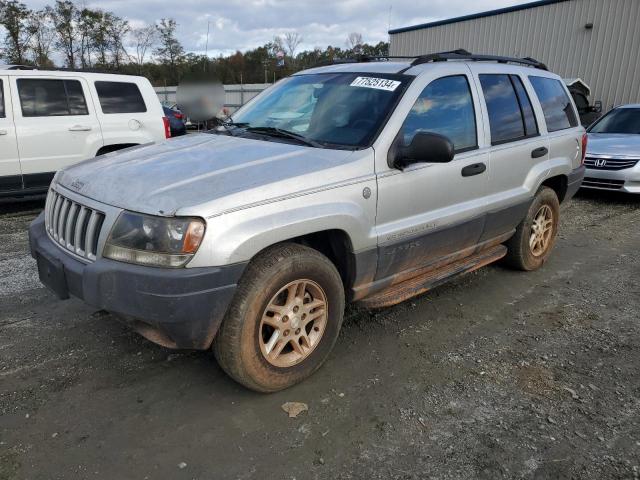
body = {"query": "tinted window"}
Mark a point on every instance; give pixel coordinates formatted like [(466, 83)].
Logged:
[(120, 97), (445, 106), (558, 111), (620, 120), (50, 98), (2, 114), (530, 124), (505, 117)]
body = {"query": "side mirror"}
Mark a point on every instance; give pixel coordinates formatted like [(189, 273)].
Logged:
[(425, 147), (597, 106)]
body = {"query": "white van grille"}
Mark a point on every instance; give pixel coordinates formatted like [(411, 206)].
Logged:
[(72, 225)]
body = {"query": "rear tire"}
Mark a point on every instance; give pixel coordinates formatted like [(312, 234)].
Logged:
[(283, 320), (535, 236)]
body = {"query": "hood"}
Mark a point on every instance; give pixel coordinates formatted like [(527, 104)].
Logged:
[(614, 145), (197, 169)]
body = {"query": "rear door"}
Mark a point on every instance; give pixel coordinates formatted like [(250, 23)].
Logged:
[(56, 125), (10, 174), (518, 150), (125, 116), (561, 120)]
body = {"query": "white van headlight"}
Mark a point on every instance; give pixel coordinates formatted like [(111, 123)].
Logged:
[(156, 241)]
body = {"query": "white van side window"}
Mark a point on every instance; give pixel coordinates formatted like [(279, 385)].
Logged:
[(51, 97), (120, 97)]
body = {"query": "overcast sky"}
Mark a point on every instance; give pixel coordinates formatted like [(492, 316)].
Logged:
[(245, 24)]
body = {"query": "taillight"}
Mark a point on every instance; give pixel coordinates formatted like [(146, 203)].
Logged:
[(584, 147), (178, 116), (167, 127)]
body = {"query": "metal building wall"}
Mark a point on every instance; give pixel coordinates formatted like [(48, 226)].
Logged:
[(607, 57)]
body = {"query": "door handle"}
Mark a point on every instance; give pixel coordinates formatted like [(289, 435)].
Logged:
[(539, 152), (80, 128), (3, 132), (473, 169)]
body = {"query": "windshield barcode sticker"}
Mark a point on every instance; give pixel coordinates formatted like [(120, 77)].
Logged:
[(377, 83)]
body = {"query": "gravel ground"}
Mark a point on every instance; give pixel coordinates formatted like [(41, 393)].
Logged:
[(500, 374)]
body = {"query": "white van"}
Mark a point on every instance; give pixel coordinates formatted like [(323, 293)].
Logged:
[(53, 119)]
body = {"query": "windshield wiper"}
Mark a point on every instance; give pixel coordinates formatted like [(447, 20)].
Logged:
[(279, 132), (230, 127)]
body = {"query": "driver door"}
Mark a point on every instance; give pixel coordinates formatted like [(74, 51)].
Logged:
[(433, 212)]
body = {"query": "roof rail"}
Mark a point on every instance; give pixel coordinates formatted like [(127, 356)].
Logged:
[(17, 67), (461, 54)]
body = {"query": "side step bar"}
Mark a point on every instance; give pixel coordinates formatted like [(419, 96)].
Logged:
[(426, 281)]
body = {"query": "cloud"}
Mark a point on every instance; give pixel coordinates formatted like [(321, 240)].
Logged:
[(246, 24)]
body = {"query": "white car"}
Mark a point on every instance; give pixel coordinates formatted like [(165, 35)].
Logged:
[(52, 119)]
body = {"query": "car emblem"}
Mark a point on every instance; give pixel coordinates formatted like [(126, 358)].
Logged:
[(600, 162), (77, 185)]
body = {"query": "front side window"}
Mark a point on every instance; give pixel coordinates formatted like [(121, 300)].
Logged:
[(2, 111), (120, 97), (334, 110), (51, 97), (619, 120), (445, 107), (558, 110)]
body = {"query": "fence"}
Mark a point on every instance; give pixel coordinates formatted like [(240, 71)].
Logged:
[(235, 95)]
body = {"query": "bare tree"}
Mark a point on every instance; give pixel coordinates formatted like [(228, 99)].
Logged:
[(291, 41), (43, 34), (142, 40), (354, 40)]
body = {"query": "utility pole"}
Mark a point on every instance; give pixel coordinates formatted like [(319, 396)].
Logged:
[(206, 47)]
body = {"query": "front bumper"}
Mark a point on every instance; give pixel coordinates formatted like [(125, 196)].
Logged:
[(176, 308), (627, 180)]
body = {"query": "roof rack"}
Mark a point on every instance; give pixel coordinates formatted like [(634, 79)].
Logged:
[(459, 54)]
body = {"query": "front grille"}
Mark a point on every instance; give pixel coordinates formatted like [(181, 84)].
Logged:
[(602, 183), (72, 225), (609, 163)]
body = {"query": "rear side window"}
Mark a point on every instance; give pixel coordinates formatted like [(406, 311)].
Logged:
[(445, 106), (120, 97), (2, 111), (511, 116), (558, 110), (51, 98)]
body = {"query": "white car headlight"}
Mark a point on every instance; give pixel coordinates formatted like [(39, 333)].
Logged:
[(156, 241)]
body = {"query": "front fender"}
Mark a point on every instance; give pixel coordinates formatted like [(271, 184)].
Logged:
[(238, 236)]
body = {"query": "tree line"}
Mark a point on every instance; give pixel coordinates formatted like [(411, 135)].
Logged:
[(72, 36)]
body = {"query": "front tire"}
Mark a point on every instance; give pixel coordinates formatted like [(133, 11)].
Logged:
[(535, 237), (284, 319)]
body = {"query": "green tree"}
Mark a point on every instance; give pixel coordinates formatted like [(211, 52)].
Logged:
[(14, 17), (170, 52), (65, 18), (43, 34)]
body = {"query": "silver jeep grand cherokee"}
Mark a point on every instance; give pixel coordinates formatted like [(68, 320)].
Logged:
[(365, 182)]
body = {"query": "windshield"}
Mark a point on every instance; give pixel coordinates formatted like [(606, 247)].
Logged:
[(620, 120), (339, 109)]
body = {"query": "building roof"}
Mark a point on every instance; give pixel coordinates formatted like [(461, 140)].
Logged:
[(490, 13)]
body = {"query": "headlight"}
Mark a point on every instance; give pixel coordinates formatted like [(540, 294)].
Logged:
[(156, 241)]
